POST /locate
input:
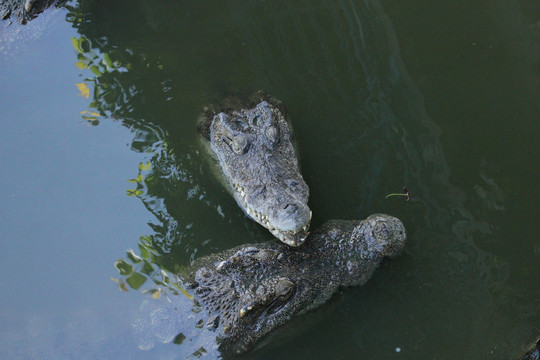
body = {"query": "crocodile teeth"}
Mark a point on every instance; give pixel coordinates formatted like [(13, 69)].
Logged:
[(244, 310), (264, 221), (239, 190), (220, 265)]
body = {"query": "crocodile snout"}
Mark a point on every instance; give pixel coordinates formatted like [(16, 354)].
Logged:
[(292, 216)]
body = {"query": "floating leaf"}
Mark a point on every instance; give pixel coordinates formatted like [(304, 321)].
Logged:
[(186, 294), (156, 293), (146, 239), (83, 58), (138, 179), (121, 284), (80, 65), (144, 252), (202, 351), (123, 267), (179, 339), (133, 257), (76, 45), (147, 268), (83, 88), (165, 277), (84, 44), (95, 70), (108, 60), (136, 280), (134, 192), (145, 166)]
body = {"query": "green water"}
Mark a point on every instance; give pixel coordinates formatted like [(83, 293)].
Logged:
[(440, 97)]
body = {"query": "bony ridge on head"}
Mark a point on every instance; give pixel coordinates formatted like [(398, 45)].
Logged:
[(379, 235)]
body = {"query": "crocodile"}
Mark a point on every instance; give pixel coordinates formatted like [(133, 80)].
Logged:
[(252, 289), (256, 159), (533, 353), (25, 10)]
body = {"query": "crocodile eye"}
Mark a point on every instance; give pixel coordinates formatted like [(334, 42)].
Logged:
[(292, 183), (239, 125), (284, 288), (239, 144), (272, 134)]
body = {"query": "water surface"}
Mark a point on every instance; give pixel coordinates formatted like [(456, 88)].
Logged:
[(100, 155)]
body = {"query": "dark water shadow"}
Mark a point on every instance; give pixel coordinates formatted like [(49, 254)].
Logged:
[(362, 131)]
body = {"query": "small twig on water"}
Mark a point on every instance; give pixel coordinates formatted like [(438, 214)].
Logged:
[(404, 193)]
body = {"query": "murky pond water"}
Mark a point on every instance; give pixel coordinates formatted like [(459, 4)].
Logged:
[(100, 155)]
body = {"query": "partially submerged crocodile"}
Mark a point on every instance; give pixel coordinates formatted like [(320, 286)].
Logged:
[(252, 289), (25, 10), (533, 353), (253, 148)]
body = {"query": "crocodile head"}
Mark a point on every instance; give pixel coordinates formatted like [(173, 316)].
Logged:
[(369, 242), (245, 310), (253, 289), (379, 234), (258, 162)]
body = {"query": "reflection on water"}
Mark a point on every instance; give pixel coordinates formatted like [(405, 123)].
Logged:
[(362, 132), (174, 319), (360, 123), (16, 39)]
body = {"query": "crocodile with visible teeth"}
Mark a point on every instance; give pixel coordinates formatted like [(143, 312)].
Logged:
[(252, 289), (252, 145)]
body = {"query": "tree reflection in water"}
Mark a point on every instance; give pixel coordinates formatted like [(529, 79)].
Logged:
[(358, 94)]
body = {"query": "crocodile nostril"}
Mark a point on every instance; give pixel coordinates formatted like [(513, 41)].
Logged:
[(292, 183), (289, 207)]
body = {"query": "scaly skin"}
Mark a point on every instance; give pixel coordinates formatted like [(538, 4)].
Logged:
[(253, 289), (533, 353), (25, 10), (256, 157)]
